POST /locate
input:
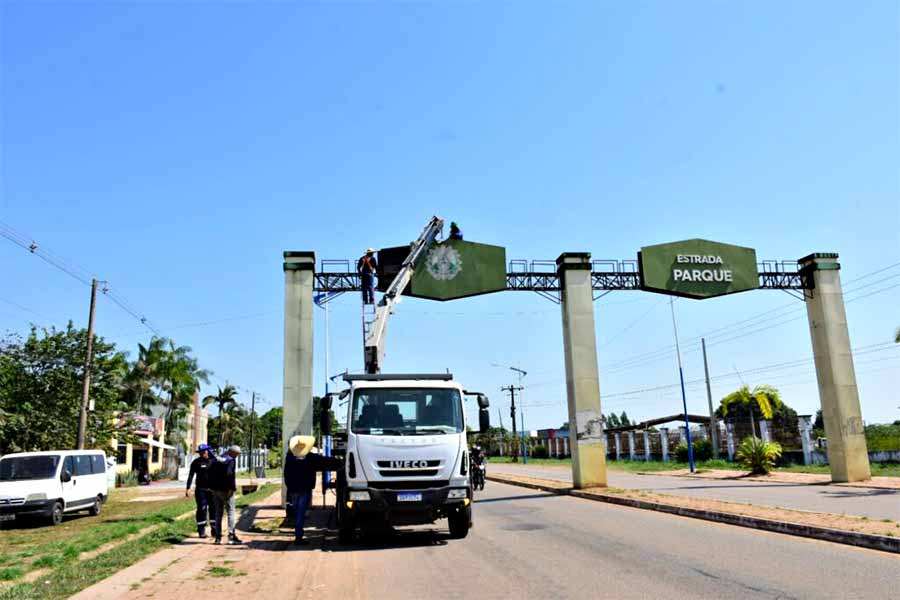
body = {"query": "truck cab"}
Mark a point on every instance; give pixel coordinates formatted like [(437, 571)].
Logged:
[(406, 459)]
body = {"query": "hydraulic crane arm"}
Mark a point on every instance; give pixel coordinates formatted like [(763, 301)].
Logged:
[(376, 330)]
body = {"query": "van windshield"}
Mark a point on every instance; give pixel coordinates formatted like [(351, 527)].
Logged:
[(21, 468), (407, 411)]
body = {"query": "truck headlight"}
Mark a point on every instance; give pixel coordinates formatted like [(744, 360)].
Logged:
[(457, 494), (35, 497), (362, 495)]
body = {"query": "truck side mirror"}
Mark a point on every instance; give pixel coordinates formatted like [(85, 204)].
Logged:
[(325, 414), (483, 401), (484, 420)]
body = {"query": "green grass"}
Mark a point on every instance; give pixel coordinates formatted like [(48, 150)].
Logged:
[(633, 466), (72, 577), (222, 571), (10, 573)]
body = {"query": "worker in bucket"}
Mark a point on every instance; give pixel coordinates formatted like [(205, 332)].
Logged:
[(455, 232), (300, 467), (200, 467), (366, 267)]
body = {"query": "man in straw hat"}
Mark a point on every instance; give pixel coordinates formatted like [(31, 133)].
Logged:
[(300, 467), (366, 267)]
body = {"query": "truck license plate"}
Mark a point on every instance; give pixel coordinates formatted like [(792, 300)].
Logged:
[(409, 497), (7, 517)]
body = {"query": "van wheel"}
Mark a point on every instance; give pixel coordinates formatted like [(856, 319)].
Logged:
[(94, 510), (459, 522), (56, 514)]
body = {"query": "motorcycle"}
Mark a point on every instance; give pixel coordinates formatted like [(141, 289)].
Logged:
[(477, 476)]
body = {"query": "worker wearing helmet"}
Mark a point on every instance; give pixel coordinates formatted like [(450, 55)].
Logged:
[(366, 266), (200, 467)]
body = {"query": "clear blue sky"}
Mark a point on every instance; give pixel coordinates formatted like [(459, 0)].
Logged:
[(176, 149)]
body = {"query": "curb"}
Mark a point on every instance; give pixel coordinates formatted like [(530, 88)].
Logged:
[(850, 538)]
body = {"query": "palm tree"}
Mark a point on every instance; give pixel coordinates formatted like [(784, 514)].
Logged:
[(224, 399), (764, 397), (143, 374)]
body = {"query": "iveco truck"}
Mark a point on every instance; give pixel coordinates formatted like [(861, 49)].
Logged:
[(406, 459)]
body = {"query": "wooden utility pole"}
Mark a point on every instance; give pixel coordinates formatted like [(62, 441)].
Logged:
[(512, 389), (713, 423), (86, 388)]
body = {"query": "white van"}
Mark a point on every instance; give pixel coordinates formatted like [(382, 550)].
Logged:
[(49, 484)]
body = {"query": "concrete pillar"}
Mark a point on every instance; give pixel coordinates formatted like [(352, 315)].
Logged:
[(631, 453), (682, 434), (299, 273), (764, 430), (617, 438), (804, 424), (838, 393), (664, 443), (729, 439), (566, 447), (646, 445), (582, 377)]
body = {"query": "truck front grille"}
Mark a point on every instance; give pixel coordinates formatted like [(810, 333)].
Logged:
[(408, 485), (409, 473)]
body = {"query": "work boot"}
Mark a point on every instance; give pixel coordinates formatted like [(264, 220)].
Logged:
[(218, 540), (233, 540), (300, 541), (201, 532)]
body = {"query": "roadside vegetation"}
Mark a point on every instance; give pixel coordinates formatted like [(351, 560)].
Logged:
[(70, 576)]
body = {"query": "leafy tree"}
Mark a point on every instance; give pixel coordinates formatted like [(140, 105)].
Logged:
[(270, 427), (623, 420), (613, 421), (763, 399), (41, 385), (142, 375), (225, 399)]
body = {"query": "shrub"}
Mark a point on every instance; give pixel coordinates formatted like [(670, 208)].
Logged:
[(128, 479), (757, 455), (275, 457), (540, 452), (702, 450), (158, 474)]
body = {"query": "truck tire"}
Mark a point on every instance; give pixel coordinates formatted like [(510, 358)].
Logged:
[(459, 521), (346, 530)]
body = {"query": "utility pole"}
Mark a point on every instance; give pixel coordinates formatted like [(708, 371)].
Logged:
[(713, 423), (252, 429), (86, 389), (512, 389)]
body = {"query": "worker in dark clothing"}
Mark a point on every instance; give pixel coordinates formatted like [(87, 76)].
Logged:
[(455, 232), (366, 266), (300, 469), (223, 483), (200, 467)]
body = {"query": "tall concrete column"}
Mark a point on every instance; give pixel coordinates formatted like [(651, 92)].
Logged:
[(729, 439), (299, 271), (646, 445), (804, 424), (844, 428), (617, 438), (631, 450), (582, 377), (565, 447), (664, 443), (764, 431)]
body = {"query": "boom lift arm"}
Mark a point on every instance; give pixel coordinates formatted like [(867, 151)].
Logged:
[(376, 330)]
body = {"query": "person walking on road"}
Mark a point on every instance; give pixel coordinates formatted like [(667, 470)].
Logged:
[(223, 482), (300, 468), (200, 468), (366, 267)]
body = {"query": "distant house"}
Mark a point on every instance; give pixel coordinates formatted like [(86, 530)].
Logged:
[(148, 453)]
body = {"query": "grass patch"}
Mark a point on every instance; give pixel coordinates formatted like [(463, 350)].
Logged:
[(223, 571), (10, 573), (71, 577)]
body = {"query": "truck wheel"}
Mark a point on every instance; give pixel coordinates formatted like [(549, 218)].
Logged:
[(459, 521), (346, 531), (56, 514), (94, 510)]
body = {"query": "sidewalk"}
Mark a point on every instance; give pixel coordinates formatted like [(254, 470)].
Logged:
[(815, 496), (263, 567)]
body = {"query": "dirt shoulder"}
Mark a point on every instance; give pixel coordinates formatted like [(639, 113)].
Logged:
[(884, 483), (887, 527)]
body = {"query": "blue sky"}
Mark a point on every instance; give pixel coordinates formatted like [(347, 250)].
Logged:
[(176, 149)]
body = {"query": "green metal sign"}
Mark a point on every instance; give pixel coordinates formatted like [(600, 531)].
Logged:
[(456, 269), (698, 268)]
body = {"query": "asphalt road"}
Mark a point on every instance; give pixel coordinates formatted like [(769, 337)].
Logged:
[(530, 544), (872, 503)]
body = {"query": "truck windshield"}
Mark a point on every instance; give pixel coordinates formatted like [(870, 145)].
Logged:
[(407, 411), (20, 468)]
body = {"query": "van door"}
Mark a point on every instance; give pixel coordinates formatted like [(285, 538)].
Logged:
[(86, 489), (98, 462), (69, 491)]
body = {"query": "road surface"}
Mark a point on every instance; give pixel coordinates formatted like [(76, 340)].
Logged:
[(525, 544), (868, 502)]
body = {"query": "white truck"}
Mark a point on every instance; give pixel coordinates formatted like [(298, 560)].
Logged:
[(406, 459)]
